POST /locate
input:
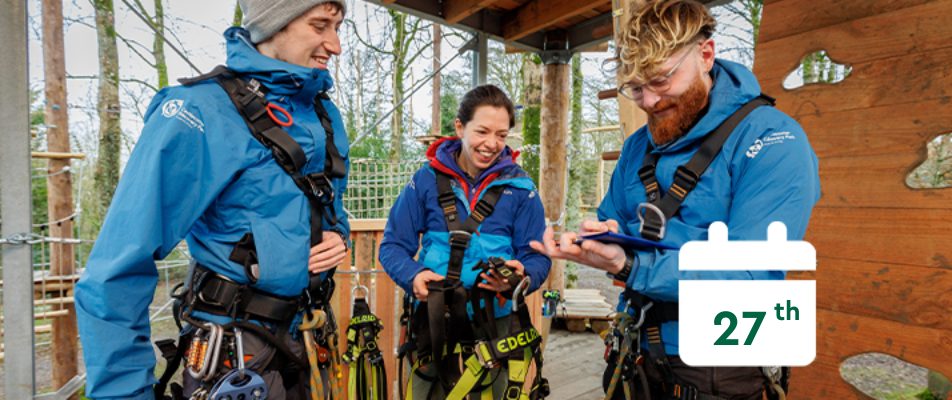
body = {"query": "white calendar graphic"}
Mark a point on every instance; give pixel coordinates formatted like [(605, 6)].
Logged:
[(747, 322)]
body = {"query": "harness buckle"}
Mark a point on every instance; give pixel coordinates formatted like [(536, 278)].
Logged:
[(460, 239), (484, 355), (687, 175), (321, 187), (650, 231)]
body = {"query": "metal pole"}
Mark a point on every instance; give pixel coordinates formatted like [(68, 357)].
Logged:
[(481, 59), (15, 204)]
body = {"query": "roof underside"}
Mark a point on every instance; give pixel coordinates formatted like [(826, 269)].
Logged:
[(523, 24)]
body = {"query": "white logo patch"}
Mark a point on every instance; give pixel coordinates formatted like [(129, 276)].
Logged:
[(769, 140), (175, 108)]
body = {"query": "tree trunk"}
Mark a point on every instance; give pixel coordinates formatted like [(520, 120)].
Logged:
[(435, 117), (110, 133), (158, 45), (576, 178), (60, 189), (531, 122), (399, 69)]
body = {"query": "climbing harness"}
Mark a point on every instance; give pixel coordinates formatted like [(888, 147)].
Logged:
[(659, 208), (438, 332), (368, 376), (218, 295), (624, 353)]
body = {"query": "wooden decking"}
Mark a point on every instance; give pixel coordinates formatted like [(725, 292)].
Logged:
[(574, 365)]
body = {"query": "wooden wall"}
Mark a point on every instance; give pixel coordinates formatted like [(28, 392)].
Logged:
[(884, 271)]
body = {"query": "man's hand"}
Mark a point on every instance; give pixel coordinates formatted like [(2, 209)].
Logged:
[(420, 281), (604, 256), (497, 284), (327, 254)]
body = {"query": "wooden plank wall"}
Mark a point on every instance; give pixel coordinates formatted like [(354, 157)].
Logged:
[(386, 298), (884, 275)]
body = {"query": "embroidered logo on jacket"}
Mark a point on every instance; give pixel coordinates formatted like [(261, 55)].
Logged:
[(769, 140), (175, 108)]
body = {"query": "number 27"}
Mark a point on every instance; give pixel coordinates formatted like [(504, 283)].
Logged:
[(724, 340)]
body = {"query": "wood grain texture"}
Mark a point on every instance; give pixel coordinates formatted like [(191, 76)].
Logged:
[(877, 182), (884, 277), (539, 14), (790, 17), (905, 294), (895, 34), (884, 236)]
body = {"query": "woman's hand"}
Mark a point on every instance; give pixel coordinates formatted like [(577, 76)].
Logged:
[(497, 284), (420, 282)]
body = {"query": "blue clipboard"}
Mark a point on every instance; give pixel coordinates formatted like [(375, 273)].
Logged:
[(624, 241)]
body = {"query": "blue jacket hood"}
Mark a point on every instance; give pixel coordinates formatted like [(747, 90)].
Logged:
[(734, 86), (282, 78), (444, 151)]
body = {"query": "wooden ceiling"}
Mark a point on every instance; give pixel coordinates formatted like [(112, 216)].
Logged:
[(522, 24)]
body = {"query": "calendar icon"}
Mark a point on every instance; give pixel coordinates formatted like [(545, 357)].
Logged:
[(747, 322)]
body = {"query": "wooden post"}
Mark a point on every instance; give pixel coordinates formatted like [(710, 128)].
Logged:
[(436, 129), (552, 164), (629, 115), (60, 190)]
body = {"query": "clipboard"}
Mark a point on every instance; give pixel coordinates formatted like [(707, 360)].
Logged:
[(624, 241)]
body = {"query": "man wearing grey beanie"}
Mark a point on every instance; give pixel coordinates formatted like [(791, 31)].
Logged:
[(248, 165)]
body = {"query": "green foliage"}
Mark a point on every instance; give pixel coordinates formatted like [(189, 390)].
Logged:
[(449, 104), (236, 19)]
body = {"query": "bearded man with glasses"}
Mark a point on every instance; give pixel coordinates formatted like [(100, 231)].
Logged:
[(714, 149)]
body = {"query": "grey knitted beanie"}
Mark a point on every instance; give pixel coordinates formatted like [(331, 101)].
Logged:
[(264, 18)]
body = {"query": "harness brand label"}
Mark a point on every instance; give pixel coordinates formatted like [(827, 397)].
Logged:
[(363, 319), (514, 342), (769, 140), (175, 109)]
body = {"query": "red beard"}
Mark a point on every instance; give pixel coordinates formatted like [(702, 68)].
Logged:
[(686, 108)]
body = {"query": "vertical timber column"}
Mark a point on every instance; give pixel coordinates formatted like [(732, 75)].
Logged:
[(553, 139), (60, 189), (481, 59), (630, 117), (15, 204)]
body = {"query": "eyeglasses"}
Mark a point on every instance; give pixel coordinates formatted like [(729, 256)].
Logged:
[(656, 85)]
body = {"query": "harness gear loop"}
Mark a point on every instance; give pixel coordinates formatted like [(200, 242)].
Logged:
[(288, 120)]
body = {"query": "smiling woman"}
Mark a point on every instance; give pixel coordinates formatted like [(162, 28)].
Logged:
[(476, 211), (483, 122)]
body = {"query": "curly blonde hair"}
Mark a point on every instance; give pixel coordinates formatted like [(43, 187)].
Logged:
[(657, 31)]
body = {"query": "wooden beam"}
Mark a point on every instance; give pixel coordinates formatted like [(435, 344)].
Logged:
[(457, 10), (57, 155), (540, 14), (368, 225), (629, 115), (63, 347)]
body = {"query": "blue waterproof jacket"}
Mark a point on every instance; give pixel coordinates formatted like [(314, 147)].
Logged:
[(197, 173), (765, 172), (517, 219)]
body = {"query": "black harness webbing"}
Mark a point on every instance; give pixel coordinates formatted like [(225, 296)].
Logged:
[(248, 97), (368, 376), (686, 176), (652, 314)]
